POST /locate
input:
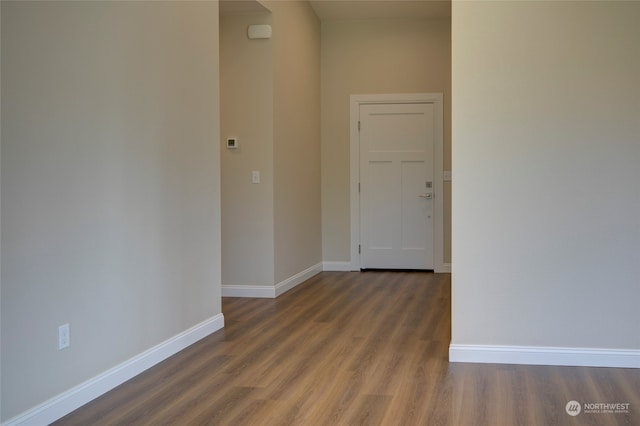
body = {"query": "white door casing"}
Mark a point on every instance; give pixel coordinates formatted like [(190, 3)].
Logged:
[(395, 226)]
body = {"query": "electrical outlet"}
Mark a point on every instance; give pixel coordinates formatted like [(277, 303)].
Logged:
[(255, 176), (64, 336)]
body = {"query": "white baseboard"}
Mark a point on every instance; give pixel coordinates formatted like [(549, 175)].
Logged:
[(336, 266), (298, 278), (584, 357), (445, 268), (270, 291), (254, 291), (63, 404)]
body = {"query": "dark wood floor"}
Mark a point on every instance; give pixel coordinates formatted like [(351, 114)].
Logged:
[(354, 349)]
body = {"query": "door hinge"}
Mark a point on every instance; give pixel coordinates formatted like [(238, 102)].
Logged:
[(358, 125), (359, 249), (358, 186)]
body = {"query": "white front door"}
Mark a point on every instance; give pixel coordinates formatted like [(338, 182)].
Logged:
[(396, 185)]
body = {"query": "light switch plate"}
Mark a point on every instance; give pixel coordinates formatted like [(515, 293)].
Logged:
[(447, 176)]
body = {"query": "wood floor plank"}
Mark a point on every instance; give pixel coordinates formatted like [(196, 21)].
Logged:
[(347, 348)]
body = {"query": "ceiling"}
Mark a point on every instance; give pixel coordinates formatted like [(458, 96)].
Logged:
[(377, 9), (354, 9)]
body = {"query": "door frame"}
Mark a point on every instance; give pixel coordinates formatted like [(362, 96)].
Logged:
[(438, 163)]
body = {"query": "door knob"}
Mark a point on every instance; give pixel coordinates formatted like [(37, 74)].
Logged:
[(427, 196)]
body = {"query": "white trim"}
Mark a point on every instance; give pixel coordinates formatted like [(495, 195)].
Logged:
[(299, 278), (336, 266), (254, 291), (438, 165), (583, 357), (446, 269), (271, 291), (68, 401)]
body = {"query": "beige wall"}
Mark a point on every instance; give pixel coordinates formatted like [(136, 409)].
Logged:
[(369, 57), (546, 118), (246, 100), (110, 185), (297, 223), (271, 101)]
